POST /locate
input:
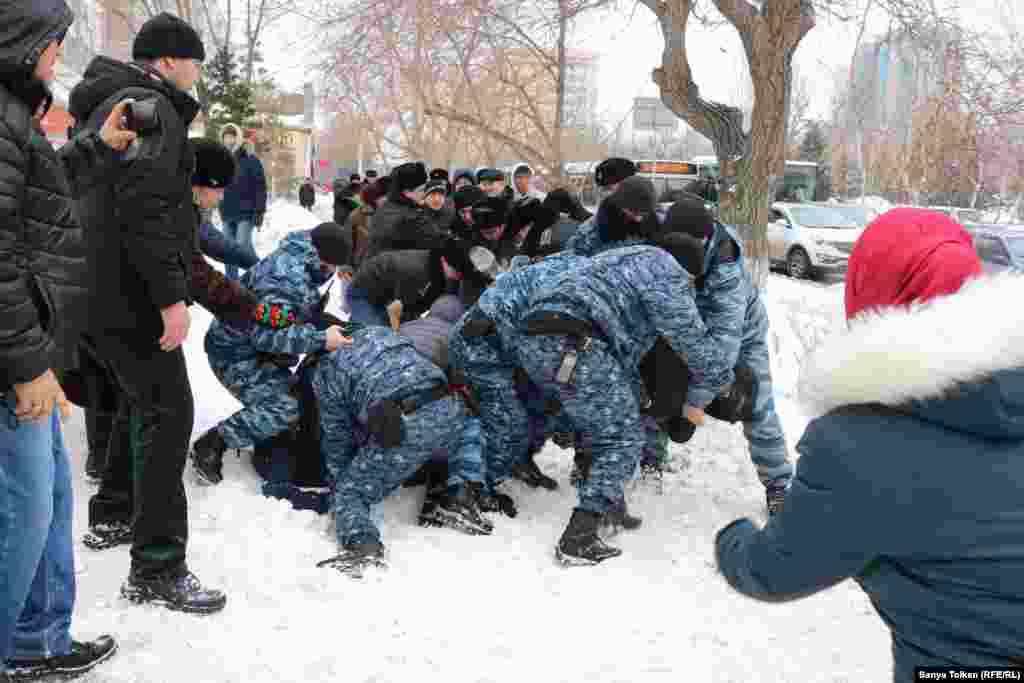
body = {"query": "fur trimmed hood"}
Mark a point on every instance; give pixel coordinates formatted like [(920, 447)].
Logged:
[(957, 360)]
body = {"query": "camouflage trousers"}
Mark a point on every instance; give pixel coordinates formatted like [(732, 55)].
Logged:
[(602, 406), (370, 472), (503, 417), (765, 438), (262, 388)]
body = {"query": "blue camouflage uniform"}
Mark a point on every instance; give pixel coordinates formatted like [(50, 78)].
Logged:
[(378, 365), (254, 365), (489, 362), (630, 296), (733, 310), (590, 240)]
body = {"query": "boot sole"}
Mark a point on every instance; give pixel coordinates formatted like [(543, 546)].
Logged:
[(444, 519), (201, 477), (145, 597), (573, 561), (95, 542), (63, 672)]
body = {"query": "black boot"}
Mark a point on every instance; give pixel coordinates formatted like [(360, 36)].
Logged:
[(177, 590), (356, 558), (581, 462), (457, 511), (564, 440), (619, 518), (580, 544), (208, 457), (529, 473), (108, 535), (82, 658), (776, 498), (490, 501)]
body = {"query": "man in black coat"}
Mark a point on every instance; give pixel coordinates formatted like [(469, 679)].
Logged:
[(402, 223), (140, 230), (42, 293), (307, 195)]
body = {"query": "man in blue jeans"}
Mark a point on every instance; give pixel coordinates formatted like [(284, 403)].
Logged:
[(245, 201), (42, 277)]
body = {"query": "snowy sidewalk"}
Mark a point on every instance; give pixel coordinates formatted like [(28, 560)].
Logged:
[(457, 609)]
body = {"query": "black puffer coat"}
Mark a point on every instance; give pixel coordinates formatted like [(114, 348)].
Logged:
[(402, 224), (42, 259), (139, 223)]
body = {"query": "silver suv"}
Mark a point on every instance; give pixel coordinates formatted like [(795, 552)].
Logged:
[(811, 239)]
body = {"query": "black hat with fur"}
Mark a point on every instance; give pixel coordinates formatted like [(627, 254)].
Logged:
[(408, 177), (215, 164)]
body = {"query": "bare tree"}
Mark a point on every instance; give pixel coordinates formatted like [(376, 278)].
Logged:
[(770, 34)]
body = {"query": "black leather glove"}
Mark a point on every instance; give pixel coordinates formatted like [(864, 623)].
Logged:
[(257, 220), (736, 403)]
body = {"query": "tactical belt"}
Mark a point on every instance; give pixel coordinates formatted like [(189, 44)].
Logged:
[(578, 333), (413, 403)]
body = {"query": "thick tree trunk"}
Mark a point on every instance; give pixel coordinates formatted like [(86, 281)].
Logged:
[(563, 26)]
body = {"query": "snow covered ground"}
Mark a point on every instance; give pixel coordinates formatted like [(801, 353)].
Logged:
[(457, 609)]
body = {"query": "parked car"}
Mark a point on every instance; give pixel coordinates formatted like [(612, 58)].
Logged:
[(961, 216), (809, 239), (1000, 247), (858, 213)]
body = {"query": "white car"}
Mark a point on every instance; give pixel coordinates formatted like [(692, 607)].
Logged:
[(811, 239)]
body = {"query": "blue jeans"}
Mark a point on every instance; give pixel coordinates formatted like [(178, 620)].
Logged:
[(216, 245), (363, 311), (239, 232), (37, 562)]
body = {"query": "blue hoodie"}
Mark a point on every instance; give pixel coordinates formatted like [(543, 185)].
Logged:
[(911, 482)]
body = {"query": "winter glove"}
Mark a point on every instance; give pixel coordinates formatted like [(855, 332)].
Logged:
[(257, 220), (736, 403), (275, 316)]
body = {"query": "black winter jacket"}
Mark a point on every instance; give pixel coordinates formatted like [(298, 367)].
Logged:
[(139, 224), (402, 224), (413, 277), (42, 259)]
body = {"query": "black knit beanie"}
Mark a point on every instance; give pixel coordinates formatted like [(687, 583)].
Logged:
[(215, 164), (614, 170), (687, 250), (689, 216), (165, 35), (490, 212), (635, 194), (333, 243)]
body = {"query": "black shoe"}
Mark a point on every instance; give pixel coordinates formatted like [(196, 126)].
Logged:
[(82, 658), (427, 473), (651, 468), (179, 591), (208, 457), (580, 545), (93, 468), (564, 440), (619, 518), (109, 535), (529, 473), (776, 498), (495, 502), (356, 558), (458, 511), (581, 463)]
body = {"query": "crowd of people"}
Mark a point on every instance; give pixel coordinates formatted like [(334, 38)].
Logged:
[(482, 320)]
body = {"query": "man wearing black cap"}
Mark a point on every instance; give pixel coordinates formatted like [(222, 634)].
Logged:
[(254, 365), (491, 181), (611, 172), (731, 305), (140, 229), (627, 215), (402, 223), (521, 178), (439, 211)]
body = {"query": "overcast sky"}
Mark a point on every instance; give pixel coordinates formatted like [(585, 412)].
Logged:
[(629, 45)]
